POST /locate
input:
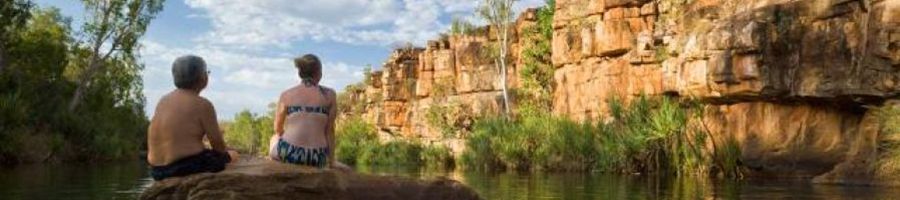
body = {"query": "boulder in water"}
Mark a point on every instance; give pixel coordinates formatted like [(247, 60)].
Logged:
[(262, 179)]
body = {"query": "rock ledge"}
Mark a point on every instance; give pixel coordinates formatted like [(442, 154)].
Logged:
[(260, 179)]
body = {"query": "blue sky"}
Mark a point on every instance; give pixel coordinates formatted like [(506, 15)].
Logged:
[(248, 44)]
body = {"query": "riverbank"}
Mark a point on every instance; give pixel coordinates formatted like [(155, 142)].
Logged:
[(56, 103), (660, 136), (647, 136)]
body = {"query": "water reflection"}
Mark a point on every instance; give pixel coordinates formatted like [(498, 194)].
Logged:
[(516, 185), (128, 180), (74, 181)]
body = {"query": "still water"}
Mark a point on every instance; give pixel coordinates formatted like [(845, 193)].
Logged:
[(125, 180)]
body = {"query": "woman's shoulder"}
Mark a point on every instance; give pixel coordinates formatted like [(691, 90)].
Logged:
[(327, 90), (287, 93)]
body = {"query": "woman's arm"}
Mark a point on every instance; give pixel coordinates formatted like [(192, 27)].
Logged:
[(280, 113), (329, 130)]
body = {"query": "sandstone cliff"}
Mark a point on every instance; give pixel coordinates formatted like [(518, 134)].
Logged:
[(454, 72), (793, 82), (258, 179), (789, 80)]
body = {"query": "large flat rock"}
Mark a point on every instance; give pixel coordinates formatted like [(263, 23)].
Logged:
[(262, 179)]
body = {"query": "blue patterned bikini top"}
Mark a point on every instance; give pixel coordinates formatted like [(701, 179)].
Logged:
[(310, 109)]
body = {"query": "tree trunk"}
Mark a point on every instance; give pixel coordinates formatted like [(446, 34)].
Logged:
[(504, 48), (83, 81), (96, 58)]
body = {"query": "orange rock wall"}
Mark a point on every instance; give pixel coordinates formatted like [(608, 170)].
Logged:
[(724, 51), (792, 81), (454, 69)]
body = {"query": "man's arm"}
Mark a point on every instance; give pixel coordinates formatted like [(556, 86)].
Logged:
[(211, 126)]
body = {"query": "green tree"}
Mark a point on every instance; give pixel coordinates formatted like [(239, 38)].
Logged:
[(42, 63), (459, 26), (499, 14), (116, 25), (35, 56), (13, 14), (250, 133)]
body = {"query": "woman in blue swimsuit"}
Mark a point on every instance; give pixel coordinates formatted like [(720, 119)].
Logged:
[(304, 119)]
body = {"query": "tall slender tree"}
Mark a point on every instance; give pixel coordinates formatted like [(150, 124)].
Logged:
[(112, 29), (500, 16)]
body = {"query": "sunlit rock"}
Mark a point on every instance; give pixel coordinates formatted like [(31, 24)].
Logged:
[(260, 179)]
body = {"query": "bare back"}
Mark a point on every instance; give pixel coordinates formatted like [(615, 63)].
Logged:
[(306, 129), (178, 126)]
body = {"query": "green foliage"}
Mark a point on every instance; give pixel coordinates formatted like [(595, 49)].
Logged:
[(662, 53), (36, 80), (353, 136), (726, 159), (357, 144), (537, 71), (112, 31), (13, 14), (888, 164), (367, 75), (249, 133), (437, 157), (531, 143), (393, 153), (646, 136), (449, 117), (460, 26)]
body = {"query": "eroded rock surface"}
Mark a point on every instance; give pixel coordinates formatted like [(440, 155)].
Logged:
[(724, 51), (262, 179), (793, 82)]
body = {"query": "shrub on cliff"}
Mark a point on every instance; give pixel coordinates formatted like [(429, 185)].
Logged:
[(537, 69)]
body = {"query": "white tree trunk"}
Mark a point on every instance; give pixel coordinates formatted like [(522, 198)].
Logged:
[(504, 48), (83, 81)]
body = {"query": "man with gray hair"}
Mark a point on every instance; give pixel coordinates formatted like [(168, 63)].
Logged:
[(181, 120)]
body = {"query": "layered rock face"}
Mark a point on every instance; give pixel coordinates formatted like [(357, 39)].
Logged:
[(259, 179), (788, 80), (724, 51), (454, 72), (792, 82)]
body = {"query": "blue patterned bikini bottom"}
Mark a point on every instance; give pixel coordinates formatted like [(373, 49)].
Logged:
[(288, 153)]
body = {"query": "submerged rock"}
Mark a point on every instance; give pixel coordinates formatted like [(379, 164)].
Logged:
[(261, 179)]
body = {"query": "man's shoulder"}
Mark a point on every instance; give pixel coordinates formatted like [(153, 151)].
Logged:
[(204, 102)]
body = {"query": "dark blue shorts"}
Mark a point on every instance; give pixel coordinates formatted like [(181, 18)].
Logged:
[(206, 161)]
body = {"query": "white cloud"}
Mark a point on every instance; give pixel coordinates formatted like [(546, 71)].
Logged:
[(257, 24), (239, 80), (245, 46)]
